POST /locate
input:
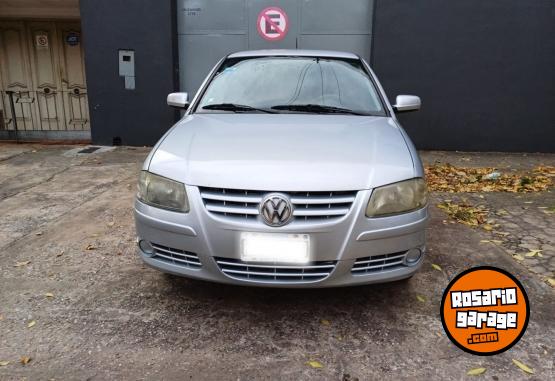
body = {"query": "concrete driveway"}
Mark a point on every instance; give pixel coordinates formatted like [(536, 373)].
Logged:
[(68, 264)]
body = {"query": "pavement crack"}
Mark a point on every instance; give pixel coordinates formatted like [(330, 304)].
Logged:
[(108, 188), (13, 156), (47, 180)]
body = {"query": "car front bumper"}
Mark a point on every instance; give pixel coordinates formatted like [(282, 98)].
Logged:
[(195, 245)]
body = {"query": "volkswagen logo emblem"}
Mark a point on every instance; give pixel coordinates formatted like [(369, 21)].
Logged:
[(276, 209)]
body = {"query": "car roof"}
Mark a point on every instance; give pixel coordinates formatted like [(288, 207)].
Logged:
[(292, 52)]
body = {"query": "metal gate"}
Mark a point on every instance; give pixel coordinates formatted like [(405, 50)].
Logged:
[(208, 30), (43, 93)]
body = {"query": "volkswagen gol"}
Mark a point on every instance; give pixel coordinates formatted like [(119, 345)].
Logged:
[(289, 168)]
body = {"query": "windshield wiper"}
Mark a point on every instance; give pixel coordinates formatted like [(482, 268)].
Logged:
[(319, 109), (236, 108)]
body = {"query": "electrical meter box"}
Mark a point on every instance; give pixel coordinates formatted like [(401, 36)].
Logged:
[(127, 67)]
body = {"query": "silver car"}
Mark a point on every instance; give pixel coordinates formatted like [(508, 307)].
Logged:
[(288, 169)]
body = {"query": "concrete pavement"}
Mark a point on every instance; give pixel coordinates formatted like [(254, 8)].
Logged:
[(99, 313)]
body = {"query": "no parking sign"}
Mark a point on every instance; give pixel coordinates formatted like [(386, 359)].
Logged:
[(272, 24)]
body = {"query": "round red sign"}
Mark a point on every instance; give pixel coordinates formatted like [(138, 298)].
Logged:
[(272, 24)]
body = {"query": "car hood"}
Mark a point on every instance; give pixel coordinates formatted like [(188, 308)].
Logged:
[(284, 152)]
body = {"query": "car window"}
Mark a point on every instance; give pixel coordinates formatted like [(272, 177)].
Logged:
[(265, 82)]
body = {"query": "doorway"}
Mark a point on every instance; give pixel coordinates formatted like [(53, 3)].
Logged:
[(43, 91)]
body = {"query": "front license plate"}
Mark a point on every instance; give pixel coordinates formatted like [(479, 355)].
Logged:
[(275, 247)]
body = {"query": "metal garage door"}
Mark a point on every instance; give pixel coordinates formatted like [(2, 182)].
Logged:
[(208, 30)]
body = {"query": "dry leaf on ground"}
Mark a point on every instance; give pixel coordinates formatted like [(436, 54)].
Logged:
[(494, 241), (421, 299), (31, 324), (25, 360), (533, 253), (551, 282), (518, 257), (4, 363), (90, 246), (476, 371), (487, 227), (315, 364), (523, 367), (49, 295), (23, 263), (436, 267), (324, 322)]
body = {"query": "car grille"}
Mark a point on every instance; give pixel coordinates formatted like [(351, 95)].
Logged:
[(176, 256), (237, 269), (378, 263), (243, 204)]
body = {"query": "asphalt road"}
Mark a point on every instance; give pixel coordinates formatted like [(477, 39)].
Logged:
[(100, 314)]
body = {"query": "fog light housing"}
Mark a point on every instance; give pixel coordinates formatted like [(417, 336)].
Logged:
[(413, 256), (146, 247)]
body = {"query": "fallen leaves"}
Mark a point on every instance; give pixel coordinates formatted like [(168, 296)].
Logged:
[(476, 371), (448, 178), (494, 241), (31, 324), (436, 267), (465, 213), (518, 257), (90, 246), (60, 254), (49, 295), (22, 263), (523, 367), (487, 227), (421, 299), (533, 253), (4, 363), (551, 282), (314, 364), (325, 322), (25, 360), (546, 170)]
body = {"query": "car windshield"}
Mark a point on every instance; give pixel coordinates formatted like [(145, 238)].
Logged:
[(292, 84)]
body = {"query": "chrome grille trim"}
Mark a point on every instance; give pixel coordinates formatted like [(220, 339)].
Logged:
[(321, 212), (274, 273), (176, 256), (379, 263), (231, 209), (244, 204)]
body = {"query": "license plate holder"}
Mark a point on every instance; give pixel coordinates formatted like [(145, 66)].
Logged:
[(275, 247)]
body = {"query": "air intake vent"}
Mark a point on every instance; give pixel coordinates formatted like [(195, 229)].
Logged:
[(176, 256), (378, 263), (312, 272)]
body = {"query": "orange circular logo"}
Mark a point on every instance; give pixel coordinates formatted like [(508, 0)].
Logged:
[(485, 310)]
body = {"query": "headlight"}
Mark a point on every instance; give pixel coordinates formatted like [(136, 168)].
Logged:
[(162, 192), (397, 198)]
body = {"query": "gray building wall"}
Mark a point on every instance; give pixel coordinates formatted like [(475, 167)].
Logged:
[(120, 116), (484, 70)]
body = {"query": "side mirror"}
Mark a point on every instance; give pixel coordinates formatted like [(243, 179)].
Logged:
[(404, 103), (179, 100)]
